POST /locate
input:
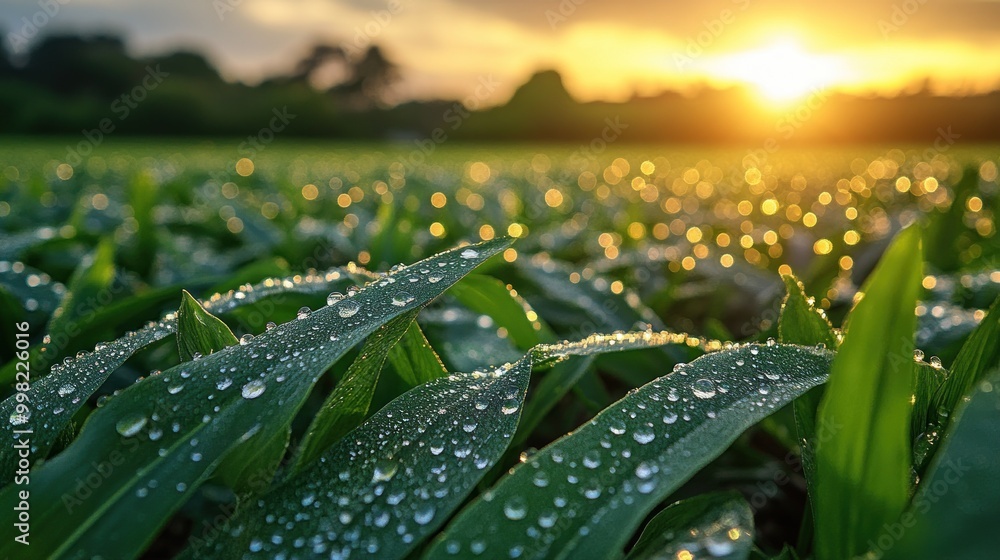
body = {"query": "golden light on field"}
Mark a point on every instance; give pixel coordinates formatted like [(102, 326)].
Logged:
[(782, 71)]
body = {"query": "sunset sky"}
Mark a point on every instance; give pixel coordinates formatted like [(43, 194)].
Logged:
[(604, 49)]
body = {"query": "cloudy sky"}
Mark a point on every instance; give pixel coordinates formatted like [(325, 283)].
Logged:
[(605, 49)]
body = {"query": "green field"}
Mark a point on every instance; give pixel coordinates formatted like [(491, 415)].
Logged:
[(342, 365)]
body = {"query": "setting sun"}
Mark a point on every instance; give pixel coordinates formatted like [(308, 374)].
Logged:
[(782, 71)]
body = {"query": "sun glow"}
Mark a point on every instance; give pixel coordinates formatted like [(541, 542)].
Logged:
[(782, 71)]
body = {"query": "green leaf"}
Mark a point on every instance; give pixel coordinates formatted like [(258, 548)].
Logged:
[(801, 322), (34, 290), (953, 514), (169, 431), (863, 466), (198, 331), (551, 389), (582, 496), (395, 479), (489, 296), (348, 404), (56, 397), (717, 525), (979, 354), (414, 360)]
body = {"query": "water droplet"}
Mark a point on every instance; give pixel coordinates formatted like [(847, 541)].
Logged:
[(434, 279), (334, 297), (254, 389), (703, 389), (303, 312), (174, 389), (66, 389), (131, 424), (515, 508), (385, 469), (643, 435), (670, 418), (541, 479), (644, 470), (510, 406), (470, 253), (935, 362), (223, 384), (424, 514), (617, 427), (401, 299), (592, 459), (918, 355), (348, 308), (245, 339)]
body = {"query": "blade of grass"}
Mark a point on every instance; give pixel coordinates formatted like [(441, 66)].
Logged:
[(863, 466)]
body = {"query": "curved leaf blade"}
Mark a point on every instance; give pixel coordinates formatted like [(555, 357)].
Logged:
[(394, 480), (863, 466), (954, 512), (56, 397), (348, 403), (489, 296), (225, 399), (631, 456)]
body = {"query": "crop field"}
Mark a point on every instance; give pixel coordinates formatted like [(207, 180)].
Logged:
[(310, 350)]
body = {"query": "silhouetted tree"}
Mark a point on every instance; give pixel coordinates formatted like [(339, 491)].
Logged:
[(80, 65), (371, 80)]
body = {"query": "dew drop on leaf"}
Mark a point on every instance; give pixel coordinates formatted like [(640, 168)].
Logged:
[(424, 514), (254, 389), (401, 299), (703, 388), (509, 406), (643, 435), (385, 469), (348, 309), (515, 508), (131, 424), (334, 297)]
